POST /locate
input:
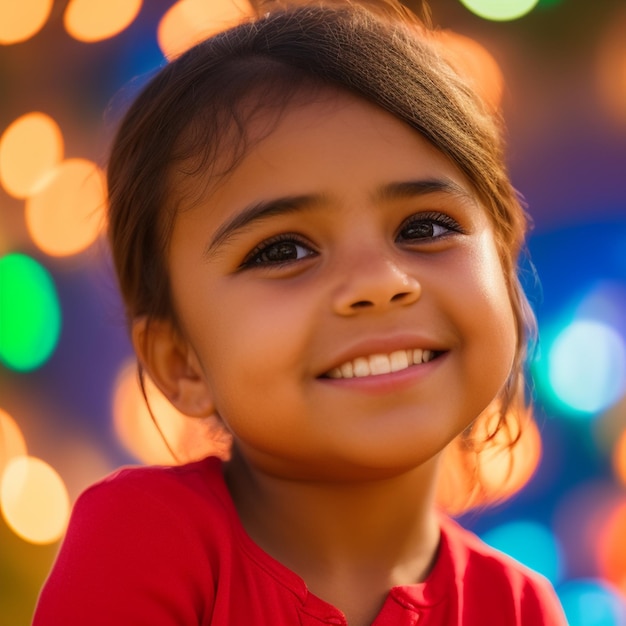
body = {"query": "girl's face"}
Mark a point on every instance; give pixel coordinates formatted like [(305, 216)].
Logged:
[(341, 297)]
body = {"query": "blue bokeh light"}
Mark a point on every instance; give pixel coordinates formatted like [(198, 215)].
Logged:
[(587, 366), (530, 543), (589, 602)]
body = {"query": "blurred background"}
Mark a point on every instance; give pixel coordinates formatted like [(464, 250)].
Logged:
[(70, 409)]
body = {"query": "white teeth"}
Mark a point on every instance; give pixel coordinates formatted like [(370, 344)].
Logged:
[(399, 360), (378, 364), (347, 371), (361, 367)]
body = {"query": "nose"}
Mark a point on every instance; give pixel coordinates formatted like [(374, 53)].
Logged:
[(376, 285)]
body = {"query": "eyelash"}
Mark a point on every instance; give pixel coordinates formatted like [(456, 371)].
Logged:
[(434, 219), (254, 258)]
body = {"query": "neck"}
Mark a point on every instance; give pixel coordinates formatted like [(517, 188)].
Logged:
[(328, 530)]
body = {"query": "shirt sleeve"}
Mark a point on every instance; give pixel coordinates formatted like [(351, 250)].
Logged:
[(541, 606), (127, 559)]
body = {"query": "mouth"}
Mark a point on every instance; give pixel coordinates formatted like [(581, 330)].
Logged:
[(379, 364)]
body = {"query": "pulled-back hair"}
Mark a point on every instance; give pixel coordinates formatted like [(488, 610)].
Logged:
[(193, 118)]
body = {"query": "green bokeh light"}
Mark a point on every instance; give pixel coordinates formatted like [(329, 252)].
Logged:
[(30, 315), (500, 10)]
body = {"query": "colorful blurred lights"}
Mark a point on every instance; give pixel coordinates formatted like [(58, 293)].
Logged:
[(188, 22), (587, 366), (29, 148), (500, 10), (66, 215), (20, 20), (34, 500), (12, 443), (95, 20), (589, 602), (530, 543), (29, 311)]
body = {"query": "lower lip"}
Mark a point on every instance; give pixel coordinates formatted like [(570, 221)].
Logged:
[(387, 383)]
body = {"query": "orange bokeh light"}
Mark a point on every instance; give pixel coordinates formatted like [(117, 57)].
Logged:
[(190, 438), (66, 214), (497, 471), (473, 61), (21, 19), (34, 500), (612, 548), (188, 22), (612, 68), (95, 20), (619, 458), (12, 442), (29, 148)]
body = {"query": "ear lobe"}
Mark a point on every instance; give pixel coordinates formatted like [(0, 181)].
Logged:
[(172, 365)]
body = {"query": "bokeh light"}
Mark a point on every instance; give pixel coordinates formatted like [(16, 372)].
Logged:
[(611, 67), (34, 501), (500, 10), (29, 148), (21, 19), (30, 313), (188, 22), (190, 438), (94, 20), (612, 548), (505, 469), (587, 366), (530, 543), (590, 602), (66, 215), (475, 62), (12, 442), (619, 457)]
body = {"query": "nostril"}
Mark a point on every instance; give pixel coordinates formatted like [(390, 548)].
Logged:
[(399, 296), (361, 304)]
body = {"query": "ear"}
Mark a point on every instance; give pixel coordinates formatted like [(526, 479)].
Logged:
[(172, 365)]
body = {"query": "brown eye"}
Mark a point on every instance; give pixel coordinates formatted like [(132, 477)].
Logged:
[(278, 251), (424, 227)]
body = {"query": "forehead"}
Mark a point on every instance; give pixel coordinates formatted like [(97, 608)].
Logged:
[(314, 139)]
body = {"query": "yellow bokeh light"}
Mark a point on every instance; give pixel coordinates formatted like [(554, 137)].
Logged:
[(94, 20), (66, 213), (34, 501), (188, 22), (29, 148), (21, 19), (619, 458), (473, 61), (190, 438), (12, 442)]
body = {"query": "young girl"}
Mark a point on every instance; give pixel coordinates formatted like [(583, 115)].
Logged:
[(316, 240)]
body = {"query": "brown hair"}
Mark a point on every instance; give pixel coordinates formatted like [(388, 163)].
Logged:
[(198, 107)]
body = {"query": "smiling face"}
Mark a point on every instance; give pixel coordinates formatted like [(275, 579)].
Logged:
[(340, 297)]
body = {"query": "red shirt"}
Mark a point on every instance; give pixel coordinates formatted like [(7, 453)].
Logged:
[(164, 547)]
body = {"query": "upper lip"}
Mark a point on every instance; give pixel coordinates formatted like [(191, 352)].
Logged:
[(383, 345)]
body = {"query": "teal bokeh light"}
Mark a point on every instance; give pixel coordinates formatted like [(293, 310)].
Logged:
[(500, 10), (591, 603), (587, 366), (530, 543), (30, 315)]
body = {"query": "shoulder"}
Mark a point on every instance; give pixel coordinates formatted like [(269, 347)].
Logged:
[(139, 539), (491, 578)]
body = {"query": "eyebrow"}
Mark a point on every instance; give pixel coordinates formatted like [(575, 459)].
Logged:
[(265, 209)]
